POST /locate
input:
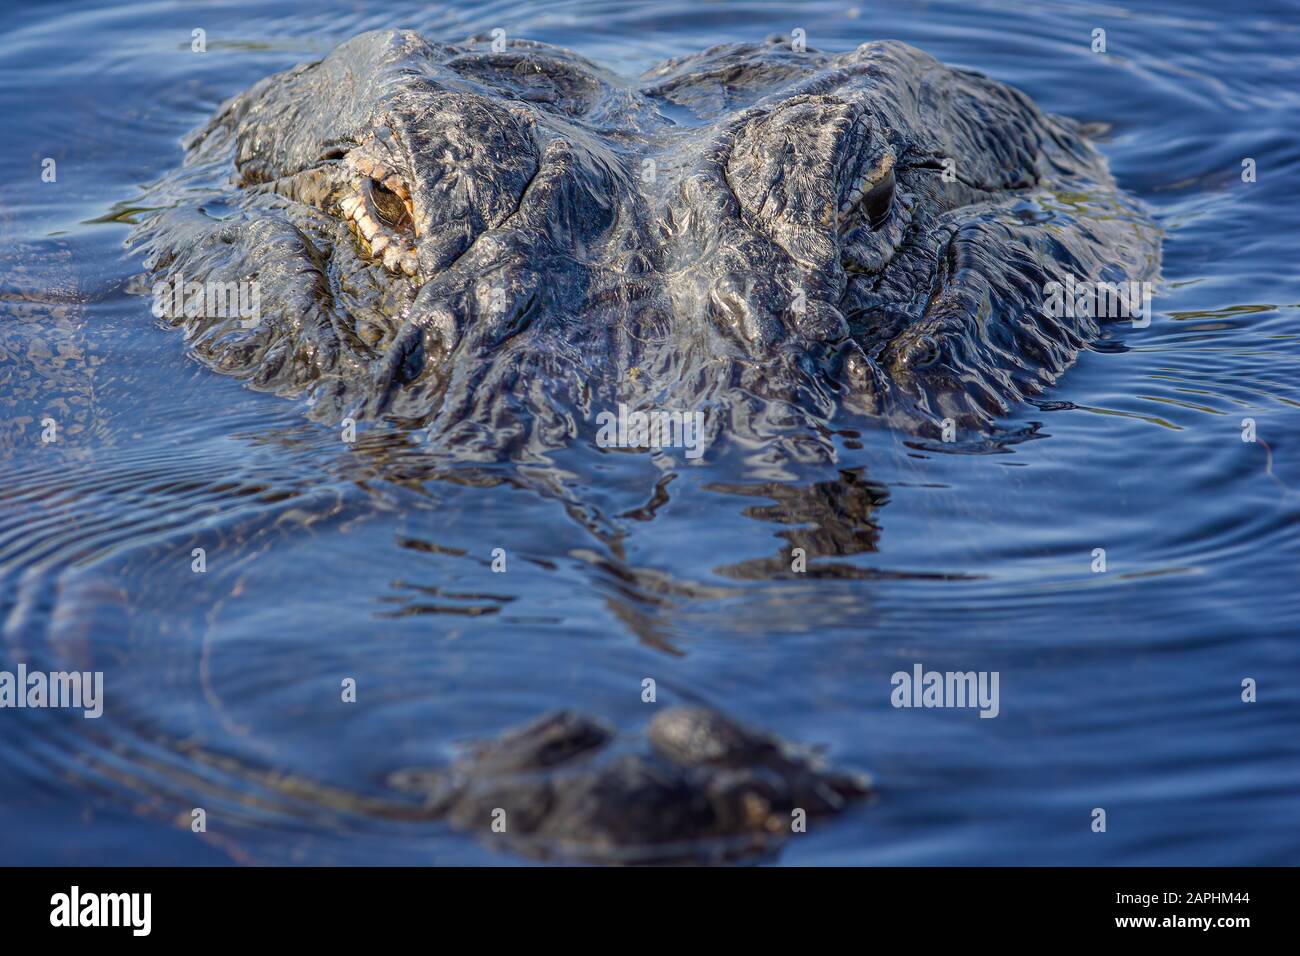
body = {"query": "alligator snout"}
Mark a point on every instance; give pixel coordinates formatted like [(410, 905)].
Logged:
[(707, 787)]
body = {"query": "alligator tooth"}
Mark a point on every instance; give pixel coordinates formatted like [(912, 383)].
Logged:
[(392, 258), (410, 263), (349, 205), (379, 243), (367, 225)]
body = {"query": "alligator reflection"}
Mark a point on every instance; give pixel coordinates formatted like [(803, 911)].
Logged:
[(830, 519)]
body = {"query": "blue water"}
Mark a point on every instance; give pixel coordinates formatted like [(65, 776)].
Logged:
[(1119, 690)]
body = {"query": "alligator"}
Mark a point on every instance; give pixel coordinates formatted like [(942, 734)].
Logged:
[(496, 241)]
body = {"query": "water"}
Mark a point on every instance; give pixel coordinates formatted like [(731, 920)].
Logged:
[(1120, 690)]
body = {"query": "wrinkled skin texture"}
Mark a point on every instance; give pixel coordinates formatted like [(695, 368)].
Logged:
[(497, 246), (706, 788)]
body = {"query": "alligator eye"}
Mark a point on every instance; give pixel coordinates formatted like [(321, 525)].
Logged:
[(390, 208), (381, 213), (879, 200)]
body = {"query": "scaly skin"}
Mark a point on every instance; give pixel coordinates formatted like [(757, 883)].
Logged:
[(497, 245)]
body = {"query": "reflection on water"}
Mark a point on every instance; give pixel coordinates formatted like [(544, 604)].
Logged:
[(375, 560)]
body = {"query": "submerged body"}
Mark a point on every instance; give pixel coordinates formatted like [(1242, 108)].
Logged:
[(499, 245)]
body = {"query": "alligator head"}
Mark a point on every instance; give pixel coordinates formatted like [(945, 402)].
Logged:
[(496, 244)]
